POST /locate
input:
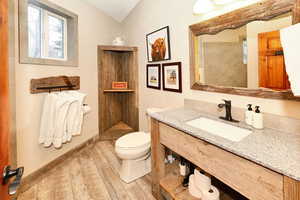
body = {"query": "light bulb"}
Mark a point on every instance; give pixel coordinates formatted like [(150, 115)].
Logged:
[(203, 6), (223, 2)]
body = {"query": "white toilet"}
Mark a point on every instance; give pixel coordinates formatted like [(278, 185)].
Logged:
[(134, 150)]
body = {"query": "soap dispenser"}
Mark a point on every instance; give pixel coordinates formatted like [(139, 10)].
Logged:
[(258, 121), (249, 115)]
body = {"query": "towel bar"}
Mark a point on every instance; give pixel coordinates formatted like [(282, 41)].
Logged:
[(58, 83)]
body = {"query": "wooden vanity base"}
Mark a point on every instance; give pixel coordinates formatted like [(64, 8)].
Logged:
[(157, 160), (248, 178)]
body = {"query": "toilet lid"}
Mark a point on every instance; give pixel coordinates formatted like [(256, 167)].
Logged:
[(133, 140)]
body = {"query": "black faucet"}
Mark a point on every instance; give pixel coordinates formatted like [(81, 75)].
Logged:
[(227, 106)]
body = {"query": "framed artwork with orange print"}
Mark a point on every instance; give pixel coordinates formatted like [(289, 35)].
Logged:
[(158, 45), (171, 76)]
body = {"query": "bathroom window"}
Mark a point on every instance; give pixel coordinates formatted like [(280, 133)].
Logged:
[(55, 36), (34, 32), (48, 34)]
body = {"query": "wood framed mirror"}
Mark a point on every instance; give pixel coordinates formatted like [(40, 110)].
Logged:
[(240, 52)]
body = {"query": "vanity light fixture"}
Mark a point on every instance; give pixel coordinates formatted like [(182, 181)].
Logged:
[(203, 6)]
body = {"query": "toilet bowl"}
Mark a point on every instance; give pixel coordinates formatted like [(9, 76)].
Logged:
[(134, 150)]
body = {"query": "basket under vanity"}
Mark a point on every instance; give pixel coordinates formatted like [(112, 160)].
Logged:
[(118, 109)]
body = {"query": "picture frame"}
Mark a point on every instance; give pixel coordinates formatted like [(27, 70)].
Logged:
[(158, 45), (154, 76), (172, 77)]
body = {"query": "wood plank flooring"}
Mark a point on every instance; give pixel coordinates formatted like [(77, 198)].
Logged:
[(91, 174)]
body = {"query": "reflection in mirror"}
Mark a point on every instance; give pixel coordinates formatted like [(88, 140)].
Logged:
[(247, 57)]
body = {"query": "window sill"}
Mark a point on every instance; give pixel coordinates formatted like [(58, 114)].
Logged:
[(45, 61)]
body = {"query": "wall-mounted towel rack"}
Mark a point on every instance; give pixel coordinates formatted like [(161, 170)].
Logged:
[(56, 87), (58, 83)]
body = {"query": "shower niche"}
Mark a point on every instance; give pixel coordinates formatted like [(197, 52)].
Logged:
[(118, 108)]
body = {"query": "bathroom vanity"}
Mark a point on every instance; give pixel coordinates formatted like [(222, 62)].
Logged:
[(264, 165)]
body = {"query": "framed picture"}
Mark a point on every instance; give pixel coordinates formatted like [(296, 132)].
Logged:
[(153, 76), (172, 77), (158, 45)]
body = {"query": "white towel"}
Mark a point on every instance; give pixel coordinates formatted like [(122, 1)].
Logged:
[(71, 119), (73, 103), (62, 107), (291, 46), (44, 127), (50, 133), (48, 120), (61, 118), (76, 125)]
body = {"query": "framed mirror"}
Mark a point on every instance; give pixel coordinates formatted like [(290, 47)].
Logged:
[(240, 52)]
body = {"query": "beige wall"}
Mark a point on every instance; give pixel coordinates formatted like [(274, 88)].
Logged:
[(94, 28), (150, 15)]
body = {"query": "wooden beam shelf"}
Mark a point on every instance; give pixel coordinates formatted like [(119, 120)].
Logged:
[(57, 83), (117, 91)]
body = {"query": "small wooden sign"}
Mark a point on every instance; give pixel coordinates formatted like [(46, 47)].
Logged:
[(119, 85)]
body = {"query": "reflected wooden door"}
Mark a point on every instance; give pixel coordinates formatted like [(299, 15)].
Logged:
[(272, 73), (4, 99)]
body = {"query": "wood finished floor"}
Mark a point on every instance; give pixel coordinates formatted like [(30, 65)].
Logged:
[(91, 174)]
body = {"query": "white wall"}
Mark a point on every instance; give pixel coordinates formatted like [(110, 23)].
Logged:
[(94, 28), (151, 15)]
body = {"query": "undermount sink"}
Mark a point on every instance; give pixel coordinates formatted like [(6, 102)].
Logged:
[(221, 129)]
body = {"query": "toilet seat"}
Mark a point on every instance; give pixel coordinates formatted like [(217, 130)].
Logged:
[(136, 140), (133, 146)]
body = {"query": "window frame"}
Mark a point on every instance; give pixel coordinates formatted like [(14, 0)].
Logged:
[(70, 34)]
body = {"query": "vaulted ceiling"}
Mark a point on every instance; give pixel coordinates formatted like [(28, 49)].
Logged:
[(117, 9)]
